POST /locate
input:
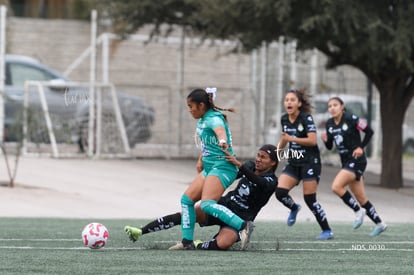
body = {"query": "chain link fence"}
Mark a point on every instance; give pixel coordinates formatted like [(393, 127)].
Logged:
[(162, 72)]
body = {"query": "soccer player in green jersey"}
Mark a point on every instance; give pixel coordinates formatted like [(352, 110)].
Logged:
[(215, 172), (256, 185)]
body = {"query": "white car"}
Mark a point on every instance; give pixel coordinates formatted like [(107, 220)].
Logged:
[(137, 114)]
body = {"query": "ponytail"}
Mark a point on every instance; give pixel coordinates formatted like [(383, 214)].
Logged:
[(207, 97)]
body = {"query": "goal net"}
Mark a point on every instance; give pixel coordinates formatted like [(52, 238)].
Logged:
[(71, 119)]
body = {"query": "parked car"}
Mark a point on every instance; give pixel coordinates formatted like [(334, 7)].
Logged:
[(65, 104), (358, 106)]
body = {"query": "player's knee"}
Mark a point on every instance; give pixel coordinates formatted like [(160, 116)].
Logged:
[(281, 193), (226, 238), (186, 200), (205, 205), (336, 188), (225, 244)]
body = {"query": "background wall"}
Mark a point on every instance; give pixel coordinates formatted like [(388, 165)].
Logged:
[(150, 70)]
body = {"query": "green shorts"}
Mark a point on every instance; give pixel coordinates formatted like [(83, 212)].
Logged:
[(225, 171)]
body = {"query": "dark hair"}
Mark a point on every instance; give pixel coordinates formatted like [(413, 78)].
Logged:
[(339, 100), (201, 96), (272, 151), (304, 99)]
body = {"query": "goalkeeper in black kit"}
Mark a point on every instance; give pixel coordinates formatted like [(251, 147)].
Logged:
[(257, 184)]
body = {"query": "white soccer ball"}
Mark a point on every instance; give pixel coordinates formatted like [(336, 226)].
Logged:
[(95, 235)]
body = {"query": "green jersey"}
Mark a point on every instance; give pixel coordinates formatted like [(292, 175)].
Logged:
[(210, 150)]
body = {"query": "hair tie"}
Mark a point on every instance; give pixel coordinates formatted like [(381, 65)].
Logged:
[(212, 91)]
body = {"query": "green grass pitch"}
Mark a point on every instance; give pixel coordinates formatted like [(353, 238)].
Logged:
[(54, 246)]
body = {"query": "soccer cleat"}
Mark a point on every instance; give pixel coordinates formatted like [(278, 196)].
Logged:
[(326, 235), (133, 232), (198, 243), (182, 246), (379, 228), (245, 234), (359, 217), (292, 216)]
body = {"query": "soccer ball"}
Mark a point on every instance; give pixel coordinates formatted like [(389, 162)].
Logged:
[(95, 235)]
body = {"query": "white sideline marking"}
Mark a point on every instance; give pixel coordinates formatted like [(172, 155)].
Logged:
[(69, 248), (276, 242), (336, 249), (337, 242), (257, 242), (142, 248), (41, 240)]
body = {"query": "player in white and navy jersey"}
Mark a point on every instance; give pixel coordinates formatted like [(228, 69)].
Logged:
[(344, 129), (304, 164), (256, 185)]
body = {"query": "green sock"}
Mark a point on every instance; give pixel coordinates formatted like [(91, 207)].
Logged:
[(188, 218), (221, 212)]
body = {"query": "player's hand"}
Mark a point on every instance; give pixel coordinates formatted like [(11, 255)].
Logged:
[(199, 165), (358, 152), (223, 145), (285, 138), (324, 137), (232, 159)]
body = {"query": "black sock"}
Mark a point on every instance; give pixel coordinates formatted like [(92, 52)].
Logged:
[(210, 245), (350, 201), (317, 210), (162, 223), (282, 195), (186, 242), (371, 212)]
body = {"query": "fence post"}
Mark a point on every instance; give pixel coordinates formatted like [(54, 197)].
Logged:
[(48, 120), (262, 97), (180, 84), (314, 72), (3, 13), (105, 58), (253, 91), (92, 80), (293, 66), (279, 89)]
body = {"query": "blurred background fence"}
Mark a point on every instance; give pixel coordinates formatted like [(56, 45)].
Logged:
[(164, 71)]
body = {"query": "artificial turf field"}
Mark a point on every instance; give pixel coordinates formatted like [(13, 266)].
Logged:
[(54, 246)]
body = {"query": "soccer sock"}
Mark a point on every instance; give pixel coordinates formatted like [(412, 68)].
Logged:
[(211, 207), (371, 212), (209, 245), (188, 218), (349, 200), (162, 223), (317, 210), (282, 195)]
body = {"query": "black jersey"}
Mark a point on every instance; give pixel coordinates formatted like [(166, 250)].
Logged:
[(299, 154), (346, 135), (251, 193)]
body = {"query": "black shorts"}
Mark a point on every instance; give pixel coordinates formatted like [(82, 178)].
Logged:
[(211, 220), (306, 172), (356, 166)]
